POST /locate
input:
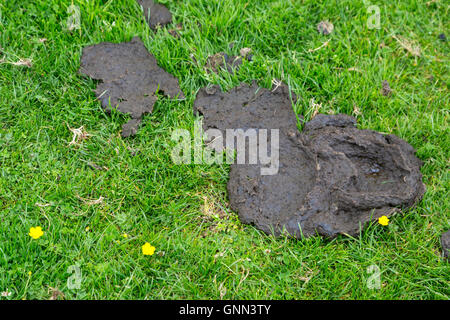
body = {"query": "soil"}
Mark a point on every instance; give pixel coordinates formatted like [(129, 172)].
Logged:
[(129, 79), (332, 177), (159, 14), (221, 60), (230, 63), (386, 89)]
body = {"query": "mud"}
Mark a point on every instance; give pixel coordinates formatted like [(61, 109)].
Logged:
[(159, 14), (129, 79), (332, 177), (445, 242)]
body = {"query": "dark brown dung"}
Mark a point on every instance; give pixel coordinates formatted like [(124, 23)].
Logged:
[(129, 79), (332, 177)]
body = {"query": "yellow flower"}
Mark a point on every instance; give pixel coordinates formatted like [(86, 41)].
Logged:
[(29, 273), (36, 232), (384, 221), (148, 249), (87, 229), (125, 235)]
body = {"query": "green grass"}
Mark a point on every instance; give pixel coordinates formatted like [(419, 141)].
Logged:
[(153, 200)]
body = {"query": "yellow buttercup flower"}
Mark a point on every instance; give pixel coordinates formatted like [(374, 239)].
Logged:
[(36, 232), (384, 221), (148, 249), (125, 235)]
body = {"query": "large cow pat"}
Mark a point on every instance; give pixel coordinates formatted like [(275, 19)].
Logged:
[(361, 175), (332, 177), (129, 79)]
